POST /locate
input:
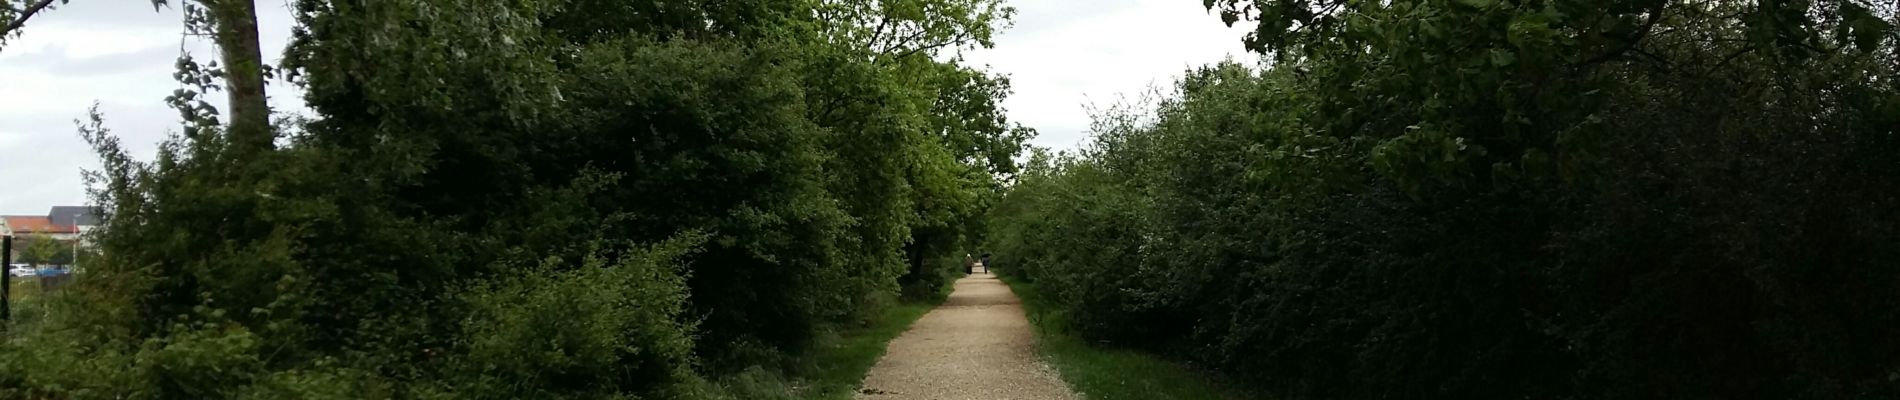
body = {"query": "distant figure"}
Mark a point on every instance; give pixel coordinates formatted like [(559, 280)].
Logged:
[(969, 264), (986, 262)]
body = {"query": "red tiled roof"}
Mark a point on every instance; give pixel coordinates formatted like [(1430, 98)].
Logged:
[(24, 224)]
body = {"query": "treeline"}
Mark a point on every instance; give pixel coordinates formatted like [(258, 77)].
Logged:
[(1478, 199), (546, 199)]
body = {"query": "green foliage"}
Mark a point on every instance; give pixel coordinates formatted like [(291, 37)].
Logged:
[(1496, 199), (206, 360), (596, 331), (1107, 373), (14, 15), (562, 199), (906, 28), (839, 363), (43, 250), (741, 162)]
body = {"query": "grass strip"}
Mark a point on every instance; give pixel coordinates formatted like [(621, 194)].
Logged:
[(1098, 373), (839, 366)]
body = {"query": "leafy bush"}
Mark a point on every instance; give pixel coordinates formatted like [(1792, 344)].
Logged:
[(599, 329), (465, 218), (1488, 200)]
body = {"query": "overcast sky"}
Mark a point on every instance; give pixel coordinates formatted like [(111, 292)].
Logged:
[(1060, 55)]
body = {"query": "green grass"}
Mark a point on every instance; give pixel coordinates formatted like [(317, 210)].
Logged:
[(839, 364), (1112, 374), (24, 308)]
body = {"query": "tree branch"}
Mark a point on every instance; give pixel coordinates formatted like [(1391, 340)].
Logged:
[(1655, 15), (1732, 57), (1653, 57), (877, 34), (24, 15), (954, 40), (898, 43)]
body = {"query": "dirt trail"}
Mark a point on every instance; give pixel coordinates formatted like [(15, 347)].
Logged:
[(976, 346)]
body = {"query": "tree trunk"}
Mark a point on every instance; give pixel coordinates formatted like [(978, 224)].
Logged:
[(236, 33), (916, 250)]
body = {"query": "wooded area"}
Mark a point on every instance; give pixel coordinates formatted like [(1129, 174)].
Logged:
[(594, 199), (1482, 199), (529, 199)]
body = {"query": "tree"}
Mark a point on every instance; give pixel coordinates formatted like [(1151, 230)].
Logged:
[(895, 29), (234, 27), (42, 250), (15, 13), (1498, 199), (549, 199)]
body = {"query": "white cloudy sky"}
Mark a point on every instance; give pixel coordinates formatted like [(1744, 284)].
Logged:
[(1060, 55)]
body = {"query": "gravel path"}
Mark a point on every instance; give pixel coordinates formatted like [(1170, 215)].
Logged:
[(976, 346)]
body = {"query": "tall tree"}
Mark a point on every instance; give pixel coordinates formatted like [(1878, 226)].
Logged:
[(235, 30), (1583, 199), (232, 25), (490, 170)]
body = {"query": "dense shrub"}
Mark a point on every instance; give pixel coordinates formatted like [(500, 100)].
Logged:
[(1498, 200), (588, 331), (550, 199)]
